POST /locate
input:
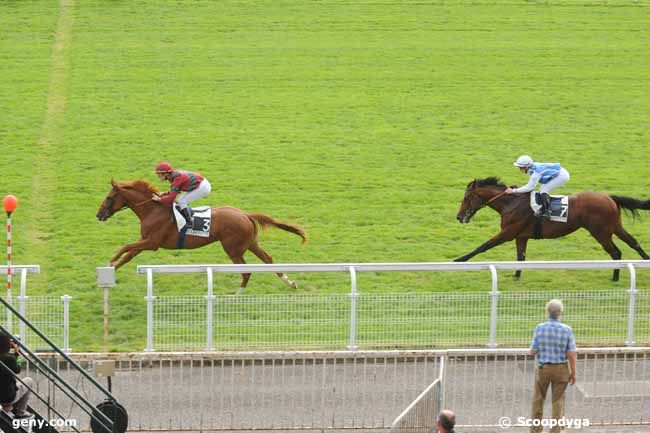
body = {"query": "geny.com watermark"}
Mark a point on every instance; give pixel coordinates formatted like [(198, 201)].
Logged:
[(522, 421), (38, 424)]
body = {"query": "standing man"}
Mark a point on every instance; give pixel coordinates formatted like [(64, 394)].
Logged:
[(446, 421), (192, 184), (554, 348)]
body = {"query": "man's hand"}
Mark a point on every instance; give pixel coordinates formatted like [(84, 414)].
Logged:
[(155, 197), (572, 379), (509, 190)]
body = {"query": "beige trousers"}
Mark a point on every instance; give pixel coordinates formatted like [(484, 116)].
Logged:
[(557, 376)]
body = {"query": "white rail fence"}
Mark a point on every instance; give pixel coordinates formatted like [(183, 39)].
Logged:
[(369, 321), (51, 314), (420, 416), (222, 391)]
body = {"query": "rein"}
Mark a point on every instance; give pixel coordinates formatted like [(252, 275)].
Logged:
[(501, 194), (143, 202)]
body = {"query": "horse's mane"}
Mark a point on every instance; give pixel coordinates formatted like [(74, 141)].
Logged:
[(139, 185), (488, 181)]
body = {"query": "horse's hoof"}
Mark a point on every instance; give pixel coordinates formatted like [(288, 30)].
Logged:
[(293, 285), (240, 291)]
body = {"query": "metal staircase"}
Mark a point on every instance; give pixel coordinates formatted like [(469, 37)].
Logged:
[(60, 393)]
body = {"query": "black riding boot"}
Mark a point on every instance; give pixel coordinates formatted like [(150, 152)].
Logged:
[(546, 206), (187, 214)]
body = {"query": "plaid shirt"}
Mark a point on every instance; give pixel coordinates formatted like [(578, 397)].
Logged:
[(552, 340)]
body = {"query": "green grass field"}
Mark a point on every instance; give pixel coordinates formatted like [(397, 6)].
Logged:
[(361, 121)]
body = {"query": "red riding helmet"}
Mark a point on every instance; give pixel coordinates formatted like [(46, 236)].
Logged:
[(163, 167)]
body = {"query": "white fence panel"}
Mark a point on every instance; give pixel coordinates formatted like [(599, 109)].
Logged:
[(421, 415), (384, 321), (50, 314), (223, 391)]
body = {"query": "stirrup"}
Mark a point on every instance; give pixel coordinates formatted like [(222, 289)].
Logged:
[(544, 215)]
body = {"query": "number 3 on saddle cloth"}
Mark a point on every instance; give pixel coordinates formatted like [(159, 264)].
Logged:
[(559, 206), (201, 221)]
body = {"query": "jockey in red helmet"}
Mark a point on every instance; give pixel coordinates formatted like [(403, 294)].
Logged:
[(193, 185)]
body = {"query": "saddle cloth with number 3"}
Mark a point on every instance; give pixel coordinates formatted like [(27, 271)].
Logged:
[(201, 218)]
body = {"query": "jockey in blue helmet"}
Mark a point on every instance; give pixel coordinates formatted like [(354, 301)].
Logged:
[(550, 175)]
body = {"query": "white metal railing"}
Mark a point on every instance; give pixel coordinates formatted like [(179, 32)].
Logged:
[(30, 269), (163, 312), (51, 314), (420, 416), (356, 390), (23, 270), (402, 267)]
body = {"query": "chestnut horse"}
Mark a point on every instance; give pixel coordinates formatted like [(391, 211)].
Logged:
[(599, 213), (236, 229)]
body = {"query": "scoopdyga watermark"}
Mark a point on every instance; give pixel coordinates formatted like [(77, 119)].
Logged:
[(568, 423)]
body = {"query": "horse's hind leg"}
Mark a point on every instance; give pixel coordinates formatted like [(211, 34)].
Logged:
[(266, 258), (632, 243), (239, 260), (605, 239)]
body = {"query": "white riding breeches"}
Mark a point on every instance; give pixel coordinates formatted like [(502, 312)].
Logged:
[(201, 191), (559, 180)]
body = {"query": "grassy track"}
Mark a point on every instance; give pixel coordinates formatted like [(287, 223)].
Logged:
[(362, 121)]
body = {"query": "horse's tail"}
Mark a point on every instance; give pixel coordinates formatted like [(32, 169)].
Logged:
[(265, 221), (631, 204)]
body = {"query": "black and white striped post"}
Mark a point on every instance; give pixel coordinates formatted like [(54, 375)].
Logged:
[(10, 204)]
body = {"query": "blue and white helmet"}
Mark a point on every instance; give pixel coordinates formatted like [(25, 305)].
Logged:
[(523, 161)]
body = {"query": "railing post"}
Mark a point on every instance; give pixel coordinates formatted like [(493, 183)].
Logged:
[(443, 379), (66, 322), (353, 309), (150, 300), (22, 302), (208, 314), (630, 317), (493, 312)]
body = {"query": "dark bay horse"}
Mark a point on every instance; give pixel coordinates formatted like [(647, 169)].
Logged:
[(598, 213), (236, 229)]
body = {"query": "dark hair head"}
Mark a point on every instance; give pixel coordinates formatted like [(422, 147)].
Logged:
[(4, 343)]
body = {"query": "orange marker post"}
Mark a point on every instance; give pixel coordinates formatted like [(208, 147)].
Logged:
[(10, 204)]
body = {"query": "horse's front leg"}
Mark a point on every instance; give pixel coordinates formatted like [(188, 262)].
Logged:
[(127, 257), (503, 236), (122, 250), (127, 252)]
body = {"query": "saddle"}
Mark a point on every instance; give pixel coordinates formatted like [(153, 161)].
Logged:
[(559, 206), (201, 221)]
